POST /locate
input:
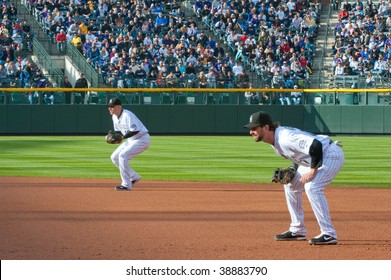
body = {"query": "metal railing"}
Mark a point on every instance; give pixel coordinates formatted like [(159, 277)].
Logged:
[(52, 71), (320, 76), (82, 65), (196, 96)]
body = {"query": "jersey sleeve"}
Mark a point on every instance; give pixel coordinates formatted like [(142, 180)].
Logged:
[(115, 123), (298, 142), (295, 146)]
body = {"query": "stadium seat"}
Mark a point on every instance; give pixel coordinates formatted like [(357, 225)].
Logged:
[(147, 98), (59, 97), (224, 98), (78, 98), (181, 98), (318, 99), (135, 98), (210, 99), (122, 97), (93, 98), (18, 98), (102, 98), (190, 98), (165, 98)]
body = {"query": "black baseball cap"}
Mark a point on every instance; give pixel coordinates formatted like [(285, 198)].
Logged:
[(114, 102), (259, 119)]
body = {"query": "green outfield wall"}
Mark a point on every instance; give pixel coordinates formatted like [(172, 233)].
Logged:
[(193, 119)]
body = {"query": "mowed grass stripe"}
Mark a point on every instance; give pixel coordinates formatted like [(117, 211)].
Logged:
[(184, 158)]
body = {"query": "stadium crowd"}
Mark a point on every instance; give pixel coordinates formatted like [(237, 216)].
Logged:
[(15, 39), (16, 69), (153, 44), (363, 40)]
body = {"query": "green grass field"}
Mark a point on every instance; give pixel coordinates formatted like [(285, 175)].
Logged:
[(185, 158)]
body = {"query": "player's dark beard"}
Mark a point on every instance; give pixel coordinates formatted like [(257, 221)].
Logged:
[(259, 138)]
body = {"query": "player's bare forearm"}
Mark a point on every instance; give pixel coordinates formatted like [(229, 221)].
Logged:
[(307, 177)]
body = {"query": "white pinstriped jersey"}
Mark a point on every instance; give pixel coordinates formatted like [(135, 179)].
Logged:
[(294, 144), (127, 122)]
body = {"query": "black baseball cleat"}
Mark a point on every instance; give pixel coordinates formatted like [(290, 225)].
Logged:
[(122, 188), (324, 239), (289, 236)]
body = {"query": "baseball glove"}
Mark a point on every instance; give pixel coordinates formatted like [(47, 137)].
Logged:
[(283, 175), (113, 137)]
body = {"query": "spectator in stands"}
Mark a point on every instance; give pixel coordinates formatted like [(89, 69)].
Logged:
[(360, 13), (243, 80), (115, 79), (3, 73), (202, 80), (354, 65), (284, 98), (296, 96), (106, 27), (171, 80), (358, 5), (90, 36), (10, 68), (93, 55), (67, 84), (211, 77), (83, 30), (237, 69), (198, 6), (48, 97), (239, 50), (140, 74), (370, 80), (251, 96), (161, 23), (264, 98), (336, 4), (339, 69), (81, 82), (278, 80), (347, 6), (380, 65), (388, 21), (296, 67), (61, 40), (343, 15), (74, 28), (229, 80), (77, 42)]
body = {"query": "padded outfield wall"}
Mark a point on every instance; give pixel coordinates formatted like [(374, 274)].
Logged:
[(193, 119)]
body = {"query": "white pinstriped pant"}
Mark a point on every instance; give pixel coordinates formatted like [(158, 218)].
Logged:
[(124, 153), (333, 159)]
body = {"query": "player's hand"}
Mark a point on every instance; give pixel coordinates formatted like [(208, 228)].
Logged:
[(307, 177)]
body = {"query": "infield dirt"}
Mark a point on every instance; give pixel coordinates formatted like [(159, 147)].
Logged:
[(56, 218)]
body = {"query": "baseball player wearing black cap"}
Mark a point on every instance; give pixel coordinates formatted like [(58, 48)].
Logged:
[(137, 140), (317, 159)]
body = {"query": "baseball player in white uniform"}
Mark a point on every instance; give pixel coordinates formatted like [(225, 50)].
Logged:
[(137, 140), (317, 160)]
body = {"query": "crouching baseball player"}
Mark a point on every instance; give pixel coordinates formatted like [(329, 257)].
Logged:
[(126, 127), (317, 160)]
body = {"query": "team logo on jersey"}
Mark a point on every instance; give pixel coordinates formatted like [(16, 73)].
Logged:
[(302, 144)]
